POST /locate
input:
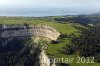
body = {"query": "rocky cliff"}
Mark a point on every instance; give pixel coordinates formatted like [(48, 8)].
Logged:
[(8, 31)]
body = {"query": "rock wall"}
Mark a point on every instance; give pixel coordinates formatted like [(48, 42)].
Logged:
[(8, 31), (44, 59)]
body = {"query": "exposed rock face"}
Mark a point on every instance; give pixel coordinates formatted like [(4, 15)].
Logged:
[(43, 59), (8, 31)]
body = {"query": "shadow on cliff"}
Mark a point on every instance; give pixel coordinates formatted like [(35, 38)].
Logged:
[(13, 52)]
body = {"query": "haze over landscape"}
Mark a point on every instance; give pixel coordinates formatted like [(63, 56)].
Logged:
[(48, 7)]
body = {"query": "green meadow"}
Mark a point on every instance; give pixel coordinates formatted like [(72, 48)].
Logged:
[(64, 28)]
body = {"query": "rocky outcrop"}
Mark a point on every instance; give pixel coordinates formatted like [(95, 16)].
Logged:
[(8, 31), (44, 59)]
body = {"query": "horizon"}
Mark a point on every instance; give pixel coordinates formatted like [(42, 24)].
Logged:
[(48, 7)]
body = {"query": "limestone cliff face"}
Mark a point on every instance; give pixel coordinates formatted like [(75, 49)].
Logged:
[(44, 59), (8, 31)]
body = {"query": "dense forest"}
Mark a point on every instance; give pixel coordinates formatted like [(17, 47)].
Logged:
[(18, 51), (87, 44)]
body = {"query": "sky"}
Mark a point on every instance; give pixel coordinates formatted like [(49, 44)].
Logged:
[(26, 6)]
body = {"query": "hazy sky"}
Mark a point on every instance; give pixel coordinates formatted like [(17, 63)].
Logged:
[(50, 3), (15, 5)]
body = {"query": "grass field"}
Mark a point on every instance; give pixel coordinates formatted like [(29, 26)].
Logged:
[(53, 49), (63, 28)]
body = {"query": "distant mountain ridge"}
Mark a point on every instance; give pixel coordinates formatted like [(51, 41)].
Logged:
[(95, 14)]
